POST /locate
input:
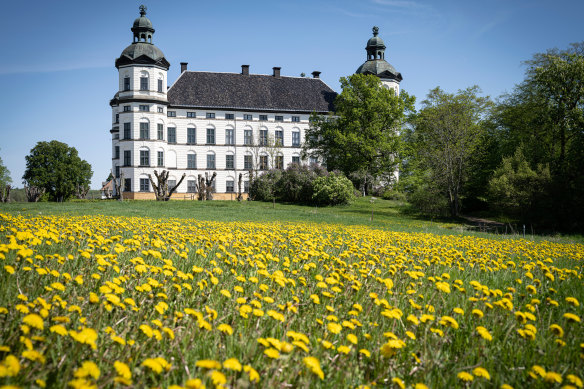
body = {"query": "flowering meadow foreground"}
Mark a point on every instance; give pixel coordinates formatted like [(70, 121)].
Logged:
[(117, 302)]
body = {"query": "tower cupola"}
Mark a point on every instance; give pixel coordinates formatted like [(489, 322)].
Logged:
[(142, 50), (376, 63)]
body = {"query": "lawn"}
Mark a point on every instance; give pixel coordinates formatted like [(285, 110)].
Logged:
[(216, 294)]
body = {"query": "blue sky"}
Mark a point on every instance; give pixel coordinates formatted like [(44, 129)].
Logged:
[(58, 73)]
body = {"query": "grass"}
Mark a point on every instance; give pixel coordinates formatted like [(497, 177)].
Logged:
[(113, 301), (378, 213)]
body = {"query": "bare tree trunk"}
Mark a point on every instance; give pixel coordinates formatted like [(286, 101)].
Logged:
[(118, 186), (33, 193), (5, 194), (81, 192), (209, 185), (200, 188), (161, 190), (239, 195)]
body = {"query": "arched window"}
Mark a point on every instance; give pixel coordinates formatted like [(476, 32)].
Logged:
[(191, 160), (144, 80), (211, 161), (144, 157)]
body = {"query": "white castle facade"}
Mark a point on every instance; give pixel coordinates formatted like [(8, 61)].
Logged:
[(206, 122)]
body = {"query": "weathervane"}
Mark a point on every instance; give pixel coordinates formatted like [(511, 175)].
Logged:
[(375, 30), (143, 10)]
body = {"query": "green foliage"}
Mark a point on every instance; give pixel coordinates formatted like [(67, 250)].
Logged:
[(445, 135), (517, 189), (363, 136), (262, 187), (57, 168), (4, 174), (333, 189), (296, 183)]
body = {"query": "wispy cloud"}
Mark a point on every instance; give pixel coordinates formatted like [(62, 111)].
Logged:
[(498, 19), (351, 14), (408, 4)]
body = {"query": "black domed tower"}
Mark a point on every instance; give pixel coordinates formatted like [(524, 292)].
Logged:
[(377, 65)]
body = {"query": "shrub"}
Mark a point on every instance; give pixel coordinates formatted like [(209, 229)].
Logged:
[(296, 183), (262, 187), (333, 189), (392, 194)]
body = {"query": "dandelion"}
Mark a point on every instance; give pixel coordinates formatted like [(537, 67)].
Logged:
[(208, 364), (225, 328), (552, 377), (464, 376), (123, 370), (272, 353), (232, 364), (314, 365), (217, 377), (34, 321), (481, 372), (571, 317), (557, 330), (253, 374), (87, 369), (484, 333)]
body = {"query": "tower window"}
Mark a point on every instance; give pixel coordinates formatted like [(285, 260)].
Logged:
[(144, 131), (247, 116), (191, 114), (264, 118), (144, 107), (126, 83), (210, 136), (160, 86), (171, 114), (210, 115), (229, 116), (143, 83), (295, 118), (279, 118), (127, 108)]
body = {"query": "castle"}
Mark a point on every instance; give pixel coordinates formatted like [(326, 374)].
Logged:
[(223, 123)]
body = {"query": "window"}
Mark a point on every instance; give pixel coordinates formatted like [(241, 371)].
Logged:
[(144, 185), (210, 161), (247, 137), (296, 138), (161, 158), (117, 152), (229, 136), (191, 186), (210, 115), (191, 136), (247, 162), (210, 136), (143, 83), (160, 109), (144, 158), (264, 117), (144, 108), (295, 118), (160, 131), (279, 139), (279, 118), (117, 118), (229, 116), (117, 172), (171, 114), (127, 158), (126, 83), (263, 137), (246, 186), (160, 86), (191, 114), (171, 134), (313, 160), (127, 184), (263, 162), (247, 116), (127, 108), (144, 131), (127, 130), (229, 162), (229, 186), (279, 162), (171, 184), (296, 160), (191, 161)]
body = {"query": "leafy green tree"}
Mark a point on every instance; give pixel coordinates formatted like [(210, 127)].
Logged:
[(445, 135), (517, 189), (57, 168), (363, 136), (544, 116), (5, 182), (333, 189)]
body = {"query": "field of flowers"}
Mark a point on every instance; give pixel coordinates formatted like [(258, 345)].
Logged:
[(118, 302)]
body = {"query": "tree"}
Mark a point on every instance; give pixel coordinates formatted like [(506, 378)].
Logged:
[(161, 189), (5, 182), (446, 134), (56, 168), (363, 136)]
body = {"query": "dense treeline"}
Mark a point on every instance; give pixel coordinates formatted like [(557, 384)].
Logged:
[(521, 156)]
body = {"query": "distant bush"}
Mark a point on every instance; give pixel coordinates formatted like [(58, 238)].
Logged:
[(333, 189), (395, 195), (262, 188), (296, 183)]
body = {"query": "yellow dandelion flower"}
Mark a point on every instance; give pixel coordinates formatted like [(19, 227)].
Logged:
[(217, 377), (484, 333), (537, 372), (478, 313), (34, 321), (365, 352), (352, 338), (123, 370), (272, 353), (552, 377), (344, 349), (225, 328), (557, 330), (253, 374), (464, 376), (194, 383), (458, 311), (232, 364), (334, 328), (481, 372), (208, 364), (314, 365), (9, 367), (571, 317), (87, 369), (573, 379), (399, 382), (326, 344), (573, 301)]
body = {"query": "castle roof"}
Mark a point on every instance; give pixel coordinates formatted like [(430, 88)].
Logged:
[(251, 92)]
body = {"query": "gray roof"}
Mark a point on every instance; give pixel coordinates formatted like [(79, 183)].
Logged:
[(142, 52), (253, 92), (380, 68)]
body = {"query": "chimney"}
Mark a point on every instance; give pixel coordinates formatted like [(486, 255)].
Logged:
[(183, 66), (245, 70), (276, 71), (316, 74)]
